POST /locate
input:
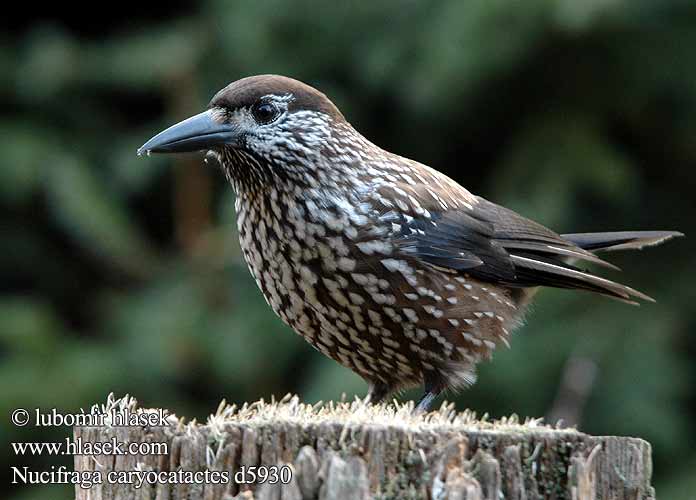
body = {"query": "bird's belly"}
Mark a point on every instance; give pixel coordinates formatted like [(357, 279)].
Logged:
[(296, 286), (363, 314)]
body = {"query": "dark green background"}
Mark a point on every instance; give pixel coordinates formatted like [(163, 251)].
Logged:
[(124, 274)]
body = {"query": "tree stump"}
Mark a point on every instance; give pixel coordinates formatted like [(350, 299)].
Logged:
[(360, 451)]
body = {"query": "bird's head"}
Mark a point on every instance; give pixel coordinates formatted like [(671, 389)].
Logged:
[(266, 118)]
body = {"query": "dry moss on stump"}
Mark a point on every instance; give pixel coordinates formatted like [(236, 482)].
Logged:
[(357, 451)]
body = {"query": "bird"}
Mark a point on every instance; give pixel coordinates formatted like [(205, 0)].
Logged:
[(383, 264)]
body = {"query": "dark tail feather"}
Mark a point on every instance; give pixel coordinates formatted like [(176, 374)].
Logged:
[(549, 270), (620, 240), (558, 274)]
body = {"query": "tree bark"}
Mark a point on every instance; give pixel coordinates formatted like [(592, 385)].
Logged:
[(356, 451)]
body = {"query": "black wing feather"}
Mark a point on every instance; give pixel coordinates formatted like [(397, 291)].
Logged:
[(495, 244)]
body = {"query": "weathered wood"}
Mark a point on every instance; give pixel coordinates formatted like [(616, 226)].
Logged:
[(356, 451)]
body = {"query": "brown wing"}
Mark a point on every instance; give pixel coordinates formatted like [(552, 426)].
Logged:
[(489, 242)]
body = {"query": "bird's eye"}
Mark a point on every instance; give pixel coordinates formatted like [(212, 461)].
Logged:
[(264, 112)]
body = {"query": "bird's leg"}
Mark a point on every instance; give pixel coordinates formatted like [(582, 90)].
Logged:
[(377, 393), (434, 385)]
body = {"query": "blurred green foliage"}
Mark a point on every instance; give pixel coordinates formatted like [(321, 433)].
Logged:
[(124, 274)]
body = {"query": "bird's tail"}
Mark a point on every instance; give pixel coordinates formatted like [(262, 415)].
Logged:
[(619, 240), (551, 265), (603, 242)]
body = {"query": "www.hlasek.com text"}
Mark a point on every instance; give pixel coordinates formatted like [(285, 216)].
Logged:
[(79, 447)]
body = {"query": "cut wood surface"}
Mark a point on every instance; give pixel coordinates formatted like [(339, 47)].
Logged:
[(359, 451)]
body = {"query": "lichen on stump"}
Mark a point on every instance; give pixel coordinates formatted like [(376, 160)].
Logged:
[(359, 451)]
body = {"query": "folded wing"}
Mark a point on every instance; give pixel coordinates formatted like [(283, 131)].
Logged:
[(495, 244)]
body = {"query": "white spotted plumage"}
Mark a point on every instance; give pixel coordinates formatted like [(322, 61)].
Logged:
[(379, 262), (320, 217)]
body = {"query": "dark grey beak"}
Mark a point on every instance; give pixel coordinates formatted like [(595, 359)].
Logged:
[(200, 132)]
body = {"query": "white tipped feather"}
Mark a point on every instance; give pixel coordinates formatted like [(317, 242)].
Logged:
[(602, 284), (620, 240)]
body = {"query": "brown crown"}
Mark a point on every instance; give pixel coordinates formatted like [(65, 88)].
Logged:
[(245, 92)]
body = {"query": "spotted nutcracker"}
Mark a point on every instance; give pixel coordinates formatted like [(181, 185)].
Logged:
[(381, 263)]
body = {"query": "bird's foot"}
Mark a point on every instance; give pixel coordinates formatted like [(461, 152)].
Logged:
[(377, 393), (433, 388)]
